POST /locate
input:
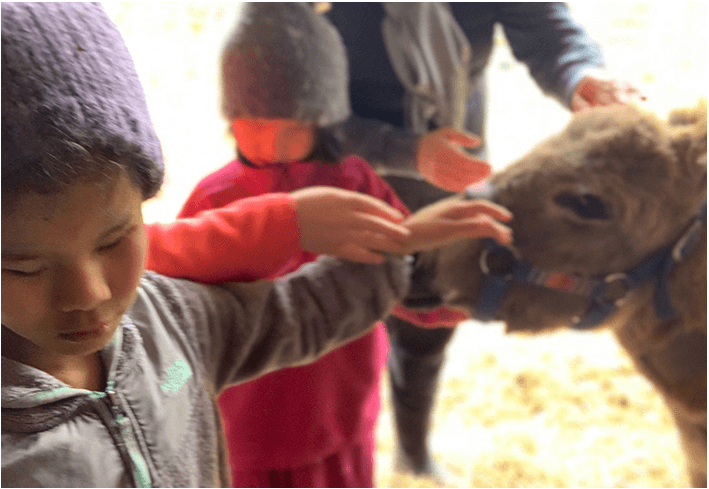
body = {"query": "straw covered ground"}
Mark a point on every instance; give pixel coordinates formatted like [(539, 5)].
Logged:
[(560, 410)]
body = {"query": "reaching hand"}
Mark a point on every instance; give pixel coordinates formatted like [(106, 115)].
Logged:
[(452, 219), (443, 163), (598, 88), (348, 224)]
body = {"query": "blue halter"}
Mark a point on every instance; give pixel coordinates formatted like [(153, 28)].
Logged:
[(604, 294)]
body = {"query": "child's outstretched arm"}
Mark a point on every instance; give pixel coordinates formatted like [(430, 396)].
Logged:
[(254, 237), (243, 330), (239, 331), (245, 240)]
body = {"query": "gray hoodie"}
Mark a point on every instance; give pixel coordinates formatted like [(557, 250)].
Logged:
[(157, 424)]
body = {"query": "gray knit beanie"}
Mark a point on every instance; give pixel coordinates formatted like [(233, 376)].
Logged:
[(283, 60), (71, 94)]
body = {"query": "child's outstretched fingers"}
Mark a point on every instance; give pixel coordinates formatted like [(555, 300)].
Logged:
[(482, 226), (368, 221), (470, 208), (357, 253), (442, 161), (348, 224), (452, 219), (370, 205)]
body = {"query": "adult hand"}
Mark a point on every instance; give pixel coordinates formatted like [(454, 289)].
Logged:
[(599, 88), (452, 219), (348, 224), (442, 161)]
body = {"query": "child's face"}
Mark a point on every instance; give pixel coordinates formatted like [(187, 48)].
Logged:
[(265, 141), (71, 263)]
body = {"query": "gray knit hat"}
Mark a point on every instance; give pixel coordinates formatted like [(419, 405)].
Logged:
[(70, 89), (283, 60)]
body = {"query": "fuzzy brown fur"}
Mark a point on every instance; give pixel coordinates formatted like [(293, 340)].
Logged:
[(612, 188)]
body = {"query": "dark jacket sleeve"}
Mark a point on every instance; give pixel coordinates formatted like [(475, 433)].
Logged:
[(555, 47), (387, 148)]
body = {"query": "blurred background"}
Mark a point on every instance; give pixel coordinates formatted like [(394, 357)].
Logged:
[(558, 410)]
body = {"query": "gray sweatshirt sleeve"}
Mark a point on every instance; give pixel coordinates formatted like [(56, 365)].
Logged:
[(242, 330), (387, 148)]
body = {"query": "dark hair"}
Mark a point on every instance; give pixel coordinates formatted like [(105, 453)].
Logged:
[(328, 149), (53, 162)]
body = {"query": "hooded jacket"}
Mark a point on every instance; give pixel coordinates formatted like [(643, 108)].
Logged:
[(156, 423)]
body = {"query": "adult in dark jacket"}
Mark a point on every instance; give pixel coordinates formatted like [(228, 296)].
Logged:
[(405, 62)]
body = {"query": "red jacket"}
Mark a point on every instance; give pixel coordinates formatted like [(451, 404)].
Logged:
[(246, 240), (294, 416)]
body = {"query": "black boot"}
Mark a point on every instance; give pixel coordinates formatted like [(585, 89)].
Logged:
[(415, 360)]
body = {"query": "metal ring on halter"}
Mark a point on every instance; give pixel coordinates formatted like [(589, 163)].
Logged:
[(484, 267), (611, 293), (692, 234)]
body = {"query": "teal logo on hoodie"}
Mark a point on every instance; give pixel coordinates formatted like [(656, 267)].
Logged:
[(177, 374)]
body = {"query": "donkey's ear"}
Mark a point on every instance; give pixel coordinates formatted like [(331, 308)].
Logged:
[(689, 136), (689, 116)]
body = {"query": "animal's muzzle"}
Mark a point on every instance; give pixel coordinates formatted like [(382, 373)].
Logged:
[(421, 295)]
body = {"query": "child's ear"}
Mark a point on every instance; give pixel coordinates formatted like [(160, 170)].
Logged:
[(327, 147)]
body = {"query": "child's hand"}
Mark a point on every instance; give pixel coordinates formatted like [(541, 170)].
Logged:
[(348, 224), (453, 219), (441, 160)]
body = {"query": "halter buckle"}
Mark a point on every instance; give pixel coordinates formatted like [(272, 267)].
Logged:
[(504, 267), (615, 290)]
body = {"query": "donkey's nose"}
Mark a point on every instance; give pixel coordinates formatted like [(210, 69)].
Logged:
[(421, 295)]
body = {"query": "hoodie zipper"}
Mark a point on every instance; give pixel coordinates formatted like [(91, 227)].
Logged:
[(141, 474)]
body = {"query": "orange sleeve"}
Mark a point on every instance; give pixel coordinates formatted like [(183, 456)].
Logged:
[(245, 240)]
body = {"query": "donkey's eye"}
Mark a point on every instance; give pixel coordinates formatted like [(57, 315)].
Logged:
[(586, 206)]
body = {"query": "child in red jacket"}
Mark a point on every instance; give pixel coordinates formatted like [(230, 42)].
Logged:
[(284, 84)]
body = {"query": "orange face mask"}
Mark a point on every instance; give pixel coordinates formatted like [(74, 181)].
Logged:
[(267, 141)]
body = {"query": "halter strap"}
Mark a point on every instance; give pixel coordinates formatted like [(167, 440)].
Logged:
[(684, 245), (604, 294)]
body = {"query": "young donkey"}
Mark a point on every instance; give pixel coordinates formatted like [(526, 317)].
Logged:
[(609, 229)]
